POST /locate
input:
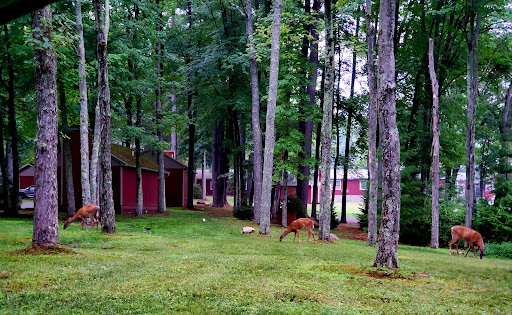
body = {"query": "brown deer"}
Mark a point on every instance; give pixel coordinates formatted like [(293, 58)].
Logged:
[(298, 224), (88, 211), (91, 222), (471, 236)]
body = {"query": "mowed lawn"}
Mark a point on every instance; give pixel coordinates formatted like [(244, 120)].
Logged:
[(187, 265)]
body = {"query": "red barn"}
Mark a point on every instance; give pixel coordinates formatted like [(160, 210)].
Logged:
[(176, 180), (26, 176)]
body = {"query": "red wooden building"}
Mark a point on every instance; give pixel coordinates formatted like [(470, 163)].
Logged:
[(175, 181)]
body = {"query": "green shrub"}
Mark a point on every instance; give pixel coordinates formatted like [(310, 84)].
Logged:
[(493, 222), (243, 212), (503, 250), (198, 192), (294, 205)]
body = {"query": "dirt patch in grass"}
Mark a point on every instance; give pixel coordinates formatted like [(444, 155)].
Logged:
[(226, 211), (378, 273), (350, 231), (43, 250)]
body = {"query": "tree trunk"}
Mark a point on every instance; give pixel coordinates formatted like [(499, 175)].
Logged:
[(284, 213), (68, 163), (372, 130), (472, 66), (314, 190), (191, 162), (217, 179), (46, 224), (203, 177), (256, 128), (3, 164), (325, 210), (390, 224), (306, 127), (336, 159), (12, 209), (84, 113), (138, 169), (434, 240), (174, 135), (268, 160), (350, 113), (158, 113), (506, 137), (106, 201)]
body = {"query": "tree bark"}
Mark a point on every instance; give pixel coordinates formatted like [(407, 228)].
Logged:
[(12, 209), (106, 201), (68, 163), (268, 159), (390, 224), (158, 113), (306, 127), (219, 185), (350, 113), (314, 190), (138, 169), (472, 83), (256, 128), (203, 177), (284, 213), (46, 225), (434, 240), (6, 179), (372, 130), (174, 135), (84, 113), (325, 209)]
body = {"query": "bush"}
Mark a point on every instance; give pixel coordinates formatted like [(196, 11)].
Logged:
[(243, 212), (503, 250), (493, 222), (198, 192), (294, 205), (451, 213)]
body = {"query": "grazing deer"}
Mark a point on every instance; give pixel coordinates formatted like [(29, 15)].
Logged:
[(88, 211), (471, 236), (298, 224)]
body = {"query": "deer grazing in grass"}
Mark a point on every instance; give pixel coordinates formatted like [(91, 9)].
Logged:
[(91, 222), (298, 224), (471, 236), (88, 211)]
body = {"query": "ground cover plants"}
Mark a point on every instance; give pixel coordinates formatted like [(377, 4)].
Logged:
[(185, 264)]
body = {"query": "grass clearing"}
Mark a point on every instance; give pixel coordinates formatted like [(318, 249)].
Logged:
[(189, 266)]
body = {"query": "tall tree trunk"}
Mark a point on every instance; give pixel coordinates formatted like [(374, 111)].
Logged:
[(158, 113), (303, 183), (434, 240), (174, 135), (372, 130), (284, 216), (217, 178), (474, 24), (46, 224), (268, 159), (336, 158), (84, 113), (314, 189), (3, 164), (276, 200), (191, 162), (13, 130), (203, 177), (306, 126), (506, 137), (325, 209), (256, 128), (106, 201), (138, 169), (390, 224), (350, 113), (68, 163)]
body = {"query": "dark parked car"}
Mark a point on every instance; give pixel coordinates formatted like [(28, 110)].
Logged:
[(27, 192)]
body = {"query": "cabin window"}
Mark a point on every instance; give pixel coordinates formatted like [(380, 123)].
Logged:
[(338, 184), (363, 185)]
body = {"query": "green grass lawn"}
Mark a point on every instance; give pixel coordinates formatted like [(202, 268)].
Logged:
[(185, 265)]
